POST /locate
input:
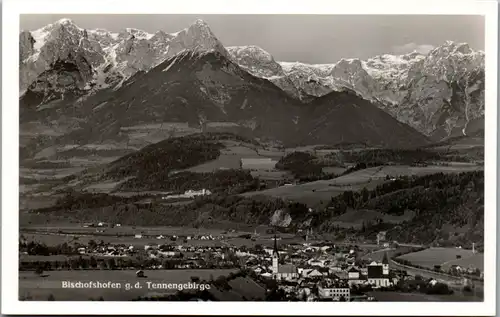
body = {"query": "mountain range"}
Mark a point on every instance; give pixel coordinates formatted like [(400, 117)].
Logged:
[(83, 85)]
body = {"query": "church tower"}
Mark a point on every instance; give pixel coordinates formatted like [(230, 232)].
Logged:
[(385, 264), (275, 256)]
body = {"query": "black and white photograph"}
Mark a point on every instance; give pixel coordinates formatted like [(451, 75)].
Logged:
[(250, 157)]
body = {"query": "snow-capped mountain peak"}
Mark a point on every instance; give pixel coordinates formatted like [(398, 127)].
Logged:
[(64, 21), (138, 34), (415, 88), (59, 41), (436, 93), (127, 51), (197, 36)]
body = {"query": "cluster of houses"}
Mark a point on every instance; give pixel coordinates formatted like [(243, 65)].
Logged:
[(315, 267), (107, 250), (186, 257), (185, 238), (463, 270), (190, 194)]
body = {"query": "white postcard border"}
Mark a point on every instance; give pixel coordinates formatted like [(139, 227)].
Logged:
[(10, 149)]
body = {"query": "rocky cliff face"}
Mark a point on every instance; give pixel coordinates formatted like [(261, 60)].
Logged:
[(112, 56), (40, 49), (438, 94), (260, 63), (198, 87), (65, 77)]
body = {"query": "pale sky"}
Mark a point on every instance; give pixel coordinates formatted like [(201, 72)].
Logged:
[(304, 38)]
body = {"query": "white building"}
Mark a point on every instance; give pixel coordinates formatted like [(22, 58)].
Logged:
[(190, 194), (193, 193), (335, 292), (381, 237)]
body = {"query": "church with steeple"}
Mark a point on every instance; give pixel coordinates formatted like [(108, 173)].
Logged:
[(282, 271), (275, 257)]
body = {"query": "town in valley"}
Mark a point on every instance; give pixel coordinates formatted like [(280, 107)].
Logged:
[(151, 159)]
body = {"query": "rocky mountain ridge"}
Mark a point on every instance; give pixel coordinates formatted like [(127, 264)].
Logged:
[(124, 53), (206, 91), (438, 94)]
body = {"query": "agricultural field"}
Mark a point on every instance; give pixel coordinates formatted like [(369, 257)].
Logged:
[(35, 202), (60, 257), (319, 192), (334, 170), (272, 175), (125, 235), (356, 218), (231, 155), (378, 255), (103, 187), (405, 170), (419, 297), (41, 174), (314, 193), (124, 230), (26, 189), (463, 143), (242, 288), (90, 161), (273, 153), (142, 135), (75, 234), (444, 257), (35, 287), (55, 239), (477, 261)]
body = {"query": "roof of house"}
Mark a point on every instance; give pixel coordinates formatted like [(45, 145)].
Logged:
[(312, 272), (341, 275), (353, 270)]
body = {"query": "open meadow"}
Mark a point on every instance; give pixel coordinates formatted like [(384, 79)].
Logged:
[(318, 192), (419, 297), (477, 261), (73, 233), (232, 154), (78, 228), (445, 257), (356, 218)]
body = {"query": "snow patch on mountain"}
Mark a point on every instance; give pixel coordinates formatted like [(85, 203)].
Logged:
[(437, 93)]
